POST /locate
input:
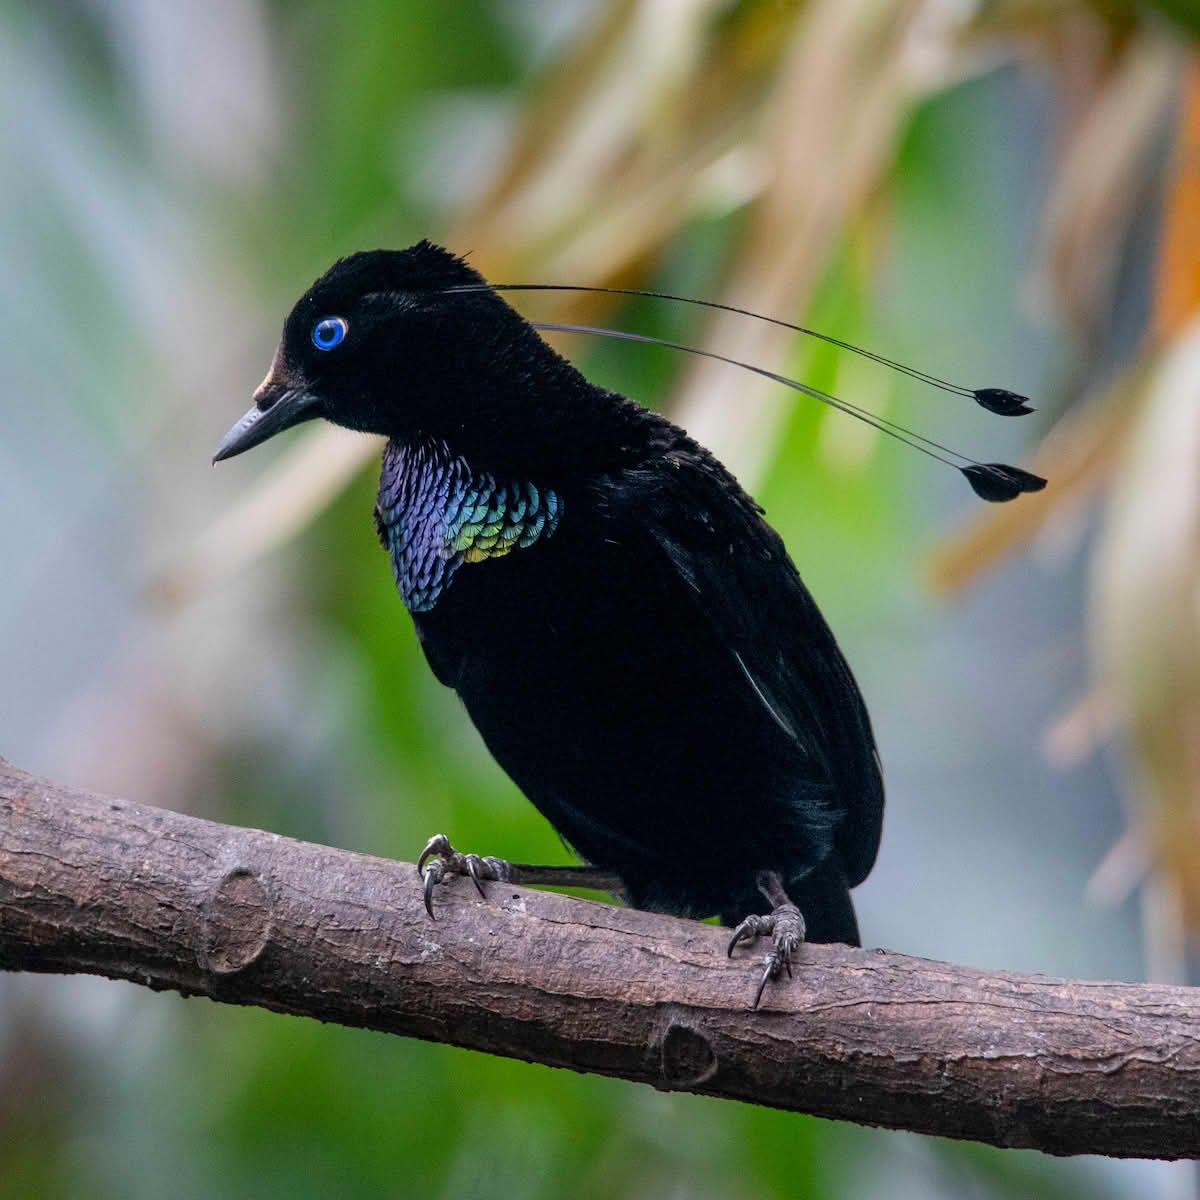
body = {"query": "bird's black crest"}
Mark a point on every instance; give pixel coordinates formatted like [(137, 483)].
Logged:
[(380, 274)]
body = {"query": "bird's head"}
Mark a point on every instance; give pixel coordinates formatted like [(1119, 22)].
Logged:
[(383, 344)]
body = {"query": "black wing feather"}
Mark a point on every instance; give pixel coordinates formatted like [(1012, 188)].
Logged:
[(739, 577)]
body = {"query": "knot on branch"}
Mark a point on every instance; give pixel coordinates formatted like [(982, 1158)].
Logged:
[(237, 922), (688, 1058)]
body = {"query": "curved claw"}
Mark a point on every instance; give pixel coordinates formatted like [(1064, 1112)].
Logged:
[(475, 870), (770, 970), (438, 844), (432, 876), (752, 927)]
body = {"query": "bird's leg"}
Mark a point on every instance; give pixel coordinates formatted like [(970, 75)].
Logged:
[(443, 860), (784, 923)]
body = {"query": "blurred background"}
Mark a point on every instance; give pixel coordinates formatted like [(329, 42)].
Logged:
[(1004, 194)]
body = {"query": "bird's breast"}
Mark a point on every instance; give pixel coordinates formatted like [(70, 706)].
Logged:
[(436, 514)]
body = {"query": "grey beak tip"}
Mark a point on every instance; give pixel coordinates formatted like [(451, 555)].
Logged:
[(259, 424), (229, 444)]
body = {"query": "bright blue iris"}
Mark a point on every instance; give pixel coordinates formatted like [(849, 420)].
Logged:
[(329, 332)]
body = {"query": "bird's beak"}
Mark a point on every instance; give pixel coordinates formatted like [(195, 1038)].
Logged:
[(281, 401)]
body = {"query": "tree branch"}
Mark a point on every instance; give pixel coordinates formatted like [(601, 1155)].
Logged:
[(104, 886)]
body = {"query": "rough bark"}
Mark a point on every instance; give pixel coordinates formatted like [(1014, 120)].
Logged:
[(104, 886)]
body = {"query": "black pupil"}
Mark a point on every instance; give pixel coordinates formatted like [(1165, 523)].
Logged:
[(327, 331)]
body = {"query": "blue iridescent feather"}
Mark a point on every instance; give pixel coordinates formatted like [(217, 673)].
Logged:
[(434, 513)]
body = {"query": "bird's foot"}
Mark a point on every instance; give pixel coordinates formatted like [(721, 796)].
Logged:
[(785, 926), (443, 860)]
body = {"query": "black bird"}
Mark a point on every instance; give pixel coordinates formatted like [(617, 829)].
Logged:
[(626, 631)]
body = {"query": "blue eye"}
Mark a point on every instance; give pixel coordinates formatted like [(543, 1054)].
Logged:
[(329, 332)]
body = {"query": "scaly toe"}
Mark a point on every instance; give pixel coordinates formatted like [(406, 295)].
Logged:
[(753, 926)]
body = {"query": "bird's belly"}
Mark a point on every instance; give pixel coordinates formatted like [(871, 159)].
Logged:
[(633, 730)]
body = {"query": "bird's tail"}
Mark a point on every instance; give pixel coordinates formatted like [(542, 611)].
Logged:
[(823, 897)]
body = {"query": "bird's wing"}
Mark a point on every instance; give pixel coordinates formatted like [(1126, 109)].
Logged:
[(735, 571)]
